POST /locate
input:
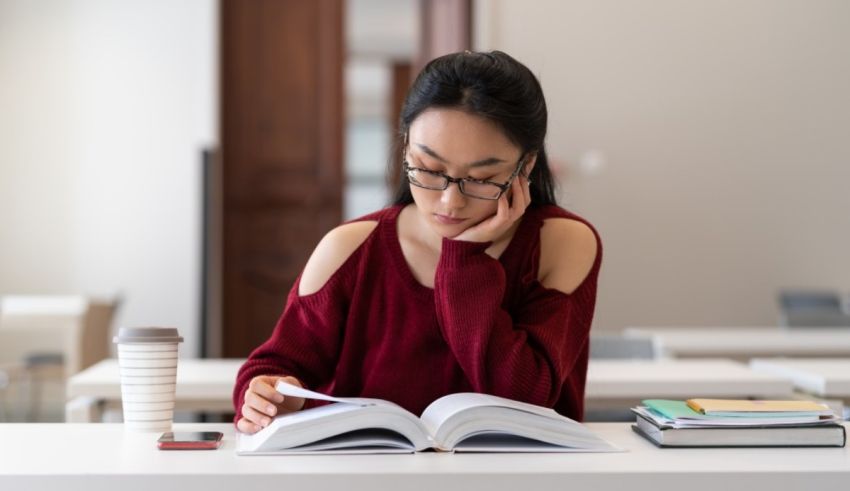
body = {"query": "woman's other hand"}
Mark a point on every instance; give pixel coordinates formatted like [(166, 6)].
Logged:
[(506, 215)]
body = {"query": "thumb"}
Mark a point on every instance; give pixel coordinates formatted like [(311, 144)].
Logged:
[(289, 380), (291, 403)]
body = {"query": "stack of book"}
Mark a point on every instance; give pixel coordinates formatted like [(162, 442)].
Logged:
[(738, 423)]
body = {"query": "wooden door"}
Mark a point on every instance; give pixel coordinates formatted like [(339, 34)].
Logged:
[(281, 134)]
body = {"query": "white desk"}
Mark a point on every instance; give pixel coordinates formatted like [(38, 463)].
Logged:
[(744, 343), (823, 377), (207, 385), (625, 382), (101, 457), (202, 385)]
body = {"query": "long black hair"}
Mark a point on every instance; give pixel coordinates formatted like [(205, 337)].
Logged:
[(493, 86)]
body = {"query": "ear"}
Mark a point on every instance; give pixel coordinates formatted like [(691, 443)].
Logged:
[(529, 164)]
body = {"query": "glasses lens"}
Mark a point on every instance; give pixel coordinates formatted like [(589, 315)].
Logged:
[(481, 190), (426, 179)]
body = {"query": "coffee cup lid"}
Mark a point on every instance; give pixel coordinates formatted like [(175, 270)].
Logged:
[(147, 335)]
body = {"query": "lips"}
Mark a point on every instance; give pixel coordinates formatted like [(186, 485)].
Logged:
[(447, 220)]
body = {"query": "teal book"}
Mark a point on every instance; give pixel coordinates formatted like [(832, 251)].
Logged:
[(673, 409)]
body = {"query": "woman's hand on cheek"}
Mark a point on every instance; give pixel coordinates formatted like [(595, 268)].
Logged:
[(507, 214)]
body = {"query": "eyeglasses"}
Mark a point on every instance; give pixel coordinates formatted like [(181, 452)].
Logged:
[(474, 188)]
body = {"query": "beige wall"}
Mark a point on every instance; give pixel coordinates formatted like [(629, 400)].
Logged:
[(104, 109), (709, 141)]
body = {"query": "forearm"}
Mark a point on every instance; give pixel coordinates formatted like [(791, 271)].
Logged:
[(524, 356), (303, 345)]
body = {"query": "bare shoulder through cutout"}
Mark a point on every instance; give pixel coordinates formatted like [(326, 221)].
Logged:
[(331, 252), (568, 250)]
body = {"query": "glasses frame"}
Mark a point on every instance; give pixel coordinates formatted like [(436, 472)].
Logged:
[(460, 181)]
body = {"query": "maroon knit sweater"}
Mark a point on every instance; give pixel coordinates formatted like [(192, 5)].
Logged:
[(488, 326)]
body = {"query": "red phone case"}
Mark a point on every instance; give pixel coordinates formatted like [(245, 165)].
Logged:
[(189, 445), (190, 441)]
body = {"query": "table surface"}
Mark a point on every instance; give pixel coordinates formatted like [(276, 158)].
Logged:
[(607, 379), (747, 342), (825, 377), (103, 456), (198, 379)]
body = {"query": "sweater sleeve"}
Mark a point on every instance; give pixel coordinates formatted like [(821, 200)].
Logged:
[(304, 344), (525, 357)]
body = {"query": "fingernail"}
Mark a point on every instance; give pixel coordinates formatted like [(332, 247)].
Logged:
[(271, 410), (266, 421)]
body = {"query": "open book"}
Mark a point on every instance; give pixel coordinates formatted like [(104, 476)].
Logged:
[(465, 422)]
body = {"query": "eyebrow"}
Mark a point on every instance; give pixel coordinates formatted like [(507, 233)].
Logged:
[(478, 163)]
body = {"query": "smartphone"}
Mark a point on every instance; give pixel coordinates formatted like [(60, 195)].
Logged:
[(190, 440)]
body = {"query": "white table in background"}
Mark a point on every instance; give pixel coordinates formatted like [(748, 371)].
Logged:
[(102, 457), (207, 385), (202, 385), (622, 383), (823, 377), (743, 343)]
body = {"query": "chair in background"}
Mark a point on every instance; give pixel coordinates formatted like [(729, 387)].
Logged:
[(50, 337), (605, 346), (812, 308)]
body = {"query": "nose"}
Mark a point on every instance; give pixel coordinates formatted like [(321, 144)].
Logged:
[(451, 197)]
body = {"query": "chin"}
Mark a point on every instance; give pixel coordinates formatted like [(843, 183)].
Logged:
[(448, 232)]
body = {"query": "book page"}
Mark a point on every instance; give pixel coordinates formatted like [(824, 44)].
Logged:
[(295, 391), (447, 406), (483, 422), (337, 426)]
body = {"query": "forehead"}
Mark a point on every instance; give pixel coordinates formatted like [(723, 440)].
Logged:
[(460, 136)]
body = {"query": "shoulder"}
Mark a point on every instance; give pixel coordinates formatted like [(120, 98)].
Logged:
[(568, 250), (332, 252)]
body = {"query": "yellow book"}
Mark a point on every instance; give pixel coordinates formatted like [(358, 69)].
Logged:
[(720, 406)]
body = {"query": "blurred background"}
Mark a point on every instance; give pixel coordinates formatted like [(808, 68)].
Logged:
[(174, 163)]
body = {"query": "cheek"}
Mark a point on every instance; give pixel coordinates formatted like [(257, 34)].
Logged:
[(483, 208), (422, 196)]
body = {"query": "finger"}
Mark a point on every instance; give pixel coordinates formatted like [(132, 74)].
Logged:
[(497, 221), (292, 381), (246, 426), (262, 387), (255, 416), (526, 190), (262, 405), (518, 203)]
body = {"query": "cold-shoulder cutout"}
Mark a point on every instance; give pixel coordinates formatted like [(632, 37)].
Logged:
[(568, 250), (331, 252)]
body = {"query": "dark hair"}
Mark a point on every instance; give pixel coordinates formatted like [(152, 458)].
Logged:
[(493, 86)]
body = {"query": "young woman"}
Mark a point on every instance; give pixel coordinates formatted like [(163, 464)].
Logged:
[(473, 281)]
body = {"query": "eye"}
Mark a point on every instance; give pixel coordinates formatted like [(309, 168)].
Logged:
[(482, 179), (429, 166)]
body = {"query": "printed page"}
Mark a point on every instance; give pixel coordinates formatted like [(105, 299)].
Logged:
[(295, 391), (340, 425), (445, 407), (499, 424)]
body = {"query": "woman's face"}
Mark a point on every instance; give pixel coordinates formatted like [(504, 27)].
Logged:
[(460, 145)]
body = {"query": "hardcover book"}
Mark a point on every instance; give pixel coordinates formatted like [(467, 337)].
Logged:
[(464, 422), (810, 435)]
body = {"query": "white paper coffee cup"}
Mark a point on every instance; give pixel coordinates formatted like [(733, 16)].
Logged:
[(147, 361)]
